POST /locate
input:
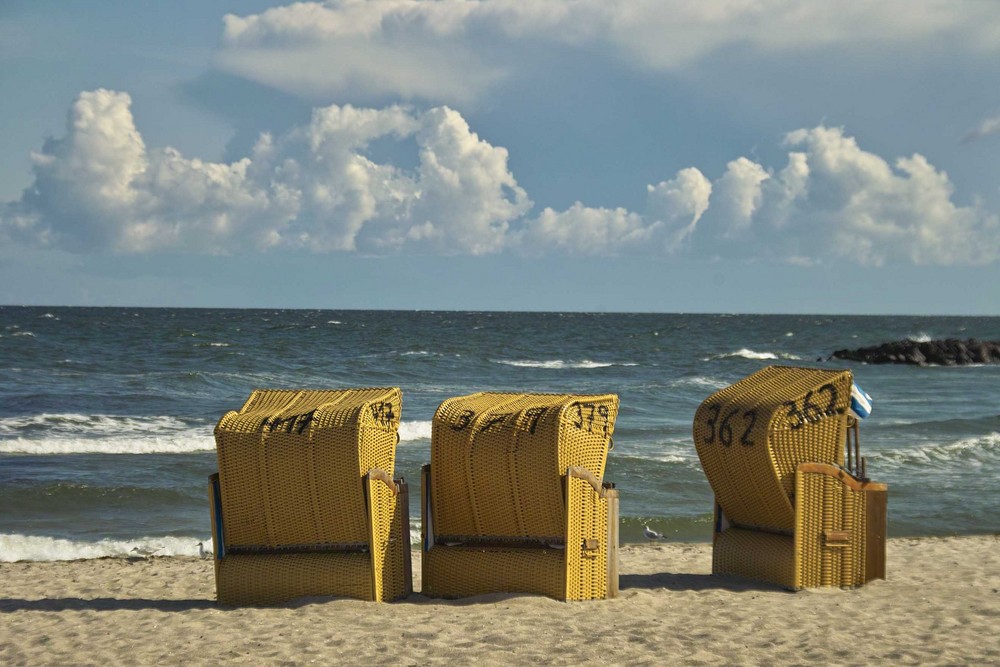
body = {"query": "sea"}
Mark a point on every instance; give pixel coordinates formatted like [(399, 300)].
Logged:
[(107, 414)]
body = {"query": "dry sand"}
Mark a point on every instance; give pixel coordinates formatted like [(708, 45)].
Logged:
[(940, 605)]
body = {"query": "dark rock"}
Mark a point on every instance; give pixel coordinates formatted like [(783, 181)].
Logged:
[(946, 352)]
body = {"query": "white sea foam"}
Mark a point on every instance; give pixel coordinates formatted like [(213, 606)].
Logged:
[(968, 451), (920, 338), (744, 353), (669, 458), (14, 547), (50, 434), (101, 434), (183, 443), (700, 381), (90, 425), (417, 430), (26, 334), (560, 364)]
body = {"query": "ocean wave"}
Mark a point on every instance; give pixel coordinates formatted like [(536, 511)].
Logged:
[(102, 434), (184, 443), (15, 547), (416, 430), (975, 451), (642, 459), (920, 338), (744, 353), (701, 381), (73, 424), (560, 364)]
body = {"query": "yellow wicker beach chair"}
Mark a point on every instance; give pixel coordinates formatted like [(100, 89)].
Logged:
[(304, 503), (787, 510), (514, 499)]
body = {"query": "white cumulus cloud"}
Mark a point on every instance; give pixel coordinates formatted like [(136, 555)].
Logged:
[(100, 187), (453, 51), (318, 187), (679, 204), (834, 200), (581, 230)]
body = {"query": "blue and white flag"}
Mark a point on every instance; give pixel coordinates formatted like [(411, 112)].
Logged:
[(861, 402)]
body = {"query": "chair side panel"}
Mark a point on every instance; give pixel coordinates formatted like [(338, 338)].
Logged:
[(832, 535), (588, 551), (876, 506), (389, 542)]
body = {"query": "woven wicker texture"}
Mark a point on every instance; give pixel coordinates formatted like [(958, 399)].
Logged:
[(587, 520), (291, 464), (829, 506), (308, 504), (270, 579), (750, 437), (524, 470), (456, 572), (390, 541), (755, 554), (498, 460), (382, 573), (772, 446)]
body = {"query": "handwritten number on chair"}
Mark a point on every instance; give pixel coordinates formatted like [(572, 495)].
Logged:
[(831, 407), (464, 419), (382, 413), (587, 413), (288, 424), (725, 432), (811, 412), (750, 416), (495, 421), (714, 409), (795, 413)]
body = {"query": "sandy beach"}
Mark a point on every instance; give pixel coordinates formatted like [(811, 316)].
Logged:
[(940, 605)]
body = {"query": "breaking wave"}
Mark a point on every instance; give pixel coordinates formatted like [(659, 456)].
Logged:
[(968, 451), (16, 547), (744, 353), (559, 364), (193, 441), (416, 430), (42, 435), (102, 434)]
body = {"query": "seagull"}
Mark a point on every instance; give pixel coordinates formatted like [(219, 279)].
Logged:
[(651, 534), (202, 552)]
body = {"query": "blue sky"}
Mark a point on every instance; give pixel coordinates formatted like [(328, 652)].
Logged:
[(739, 156)]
